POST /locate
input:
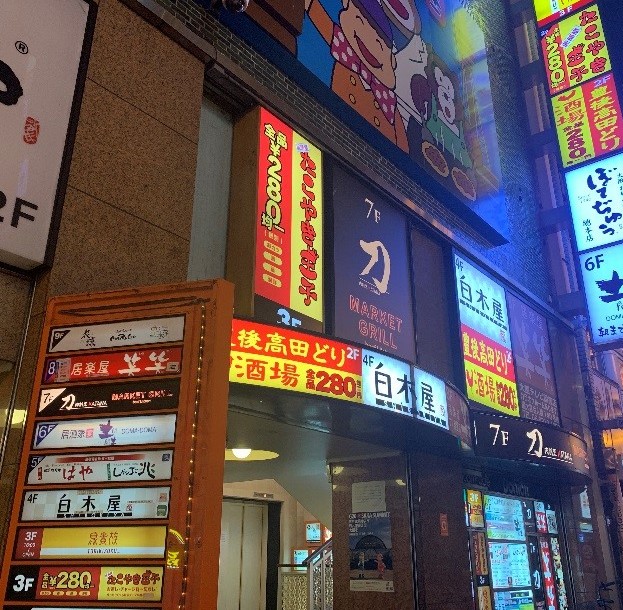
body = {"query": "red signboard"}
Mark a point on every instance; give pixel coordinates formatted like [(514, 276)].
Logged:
[(288, 253), (282, 358), (574, 50), (588, 121), (548, 574), (113, 365)]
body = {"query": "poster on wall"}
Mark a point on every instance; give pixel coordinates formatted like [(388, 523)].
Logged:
[(602, 275), (534, 370), (373, 288), (371, 558), (588, 121), (289, 254), (504, 518), (410, 77), (596, 200), (563, 603), (514, 600), (548, 569), (574, 50), (485, 339), (510, 566), (41, 46)]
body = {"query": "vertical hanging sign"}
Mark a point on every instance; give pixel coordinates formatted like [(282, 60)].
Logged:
[(485, 338), (288, 248), (146, 545)]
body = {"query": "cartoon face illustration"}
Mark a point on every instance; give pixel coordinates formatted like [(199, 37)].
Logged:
[(404, 19), (367, 30), (446, 99), (412, 89)]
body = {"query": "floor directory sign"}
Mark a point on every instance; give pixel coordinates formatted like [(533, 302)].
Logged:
[(130, 388)]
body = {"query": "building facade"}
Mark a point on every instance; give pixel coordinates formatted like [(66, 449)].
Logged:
[(399, 235)]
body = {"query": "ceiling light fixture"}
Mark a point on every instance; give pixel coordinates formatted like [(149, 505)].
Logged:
[(241, 452)]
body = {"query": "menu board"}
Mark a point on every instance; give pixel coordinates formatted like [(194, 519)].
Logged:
[(514, 600), (510, 566), (504, 518), (105, 478)]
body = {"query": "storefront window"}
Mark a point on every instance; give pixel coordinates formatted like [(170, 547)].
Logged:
[(516, 553)]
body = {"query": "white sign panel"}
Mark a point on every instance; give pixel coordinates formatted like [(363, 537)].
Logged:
[(40, 48), (100, 467), (116, 334), (386, 383), (596, 201), (602, 271), (110, 503), (104, 432), (430, 398), (482, 302)]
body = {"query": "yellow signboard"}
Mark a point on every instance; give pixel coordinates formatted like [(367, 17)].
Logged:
[(108, 541)]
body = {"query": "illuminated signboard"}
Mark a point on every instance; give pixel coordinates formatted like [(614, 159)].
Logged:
[(112, 365), (602, 273), (87, 504), (41, 45), (563, 603), (116, 334), (485, 339), (289, 252), (109, 398), (127, 583), (99, 488), (78, 542), (588, 121), (431, 402), (373, 288), (534, 371), (550, 10), (548, 573), (504, 518), (387, 383), (281, 358), (574, 50), (596, 199), (105, 432), (510, 566), (99, 467)]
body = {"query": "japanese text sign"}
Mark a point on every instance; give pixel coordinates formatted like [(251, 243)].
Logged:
[(116, 334), (280, 358), (100, 467), (596, 200), (113, 365), (289, 237), (588, 121), (41, 45), (551, 10), (602, 272), (283, 358), (114, 583), (485, 339), (373, 303), (575, 50), (77, 542), (87, 504)]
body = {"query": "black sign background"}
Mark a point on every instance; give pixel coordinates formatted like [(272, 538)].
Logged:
[(517, 439), (381, 318), (142, 395)]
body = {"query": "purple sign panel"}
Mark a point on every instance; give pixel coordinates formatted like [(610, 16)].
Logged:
[(124, 397), (534, 371), (371, 265)]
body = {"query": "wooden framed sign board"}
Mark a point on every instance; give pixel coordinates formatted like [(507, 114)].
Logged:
[(119, 491)]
